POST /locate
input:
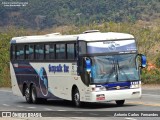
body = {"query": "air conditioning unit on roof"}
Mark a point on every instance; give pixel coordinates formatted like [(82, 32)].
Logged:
[(90, 31)]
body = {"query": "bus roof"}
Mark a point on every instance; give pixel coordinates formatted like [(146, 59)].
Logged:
[(56, 37)]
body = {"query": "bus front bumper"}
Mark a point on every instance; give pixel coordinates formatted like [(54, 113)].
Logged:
[(113, 95)]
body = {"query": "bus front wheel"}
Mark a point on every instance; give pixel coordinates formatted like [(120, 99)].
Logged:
[(120, 102), (27, 95), (76, 98)]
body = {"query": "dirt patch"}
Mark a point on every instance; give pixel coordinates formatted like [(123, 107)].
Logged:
[(151, 86)]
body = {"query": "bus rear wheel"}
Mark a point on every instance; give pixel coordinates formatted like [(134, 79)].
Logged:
[(34, 94), (76, 98), (34, 97), (27, 95), (120, 102)]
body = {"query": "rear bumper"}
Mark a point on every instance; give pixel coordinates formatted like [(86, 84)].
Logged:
[(113, 95)]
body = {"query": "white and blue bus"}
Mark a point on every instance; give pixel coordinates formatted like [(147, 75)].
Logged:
[(87, 67)]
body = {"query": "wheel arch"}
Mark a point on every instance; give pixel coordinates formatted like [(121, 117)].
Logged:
[(24, 86), (73, 88)]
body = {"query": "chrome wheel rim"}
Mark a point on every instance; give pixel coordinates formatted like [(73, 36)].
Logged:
[(33, 95), (77, 98), (27, 94)]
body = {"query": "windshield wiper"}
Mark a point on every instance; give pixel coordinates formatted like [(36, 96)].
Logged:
[(119, 70), (112, 72)]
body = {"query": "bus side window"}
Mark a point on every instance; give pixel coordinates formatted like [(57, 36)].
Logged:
[(36, 51), (13, 49), (26, 52), (31, 52), (52, 51), (49, 51), (39, 52), (70, 51), (20, 52), (82, 47), (17, 52), (60, 51), (47, 47), (75, 50)]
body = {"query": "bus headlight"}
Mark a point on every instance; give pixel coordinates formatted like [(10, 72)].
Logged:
[(98, 89), (135, 85)]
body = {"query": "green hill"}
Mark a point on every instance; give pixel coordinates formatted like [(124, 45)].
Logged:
[(30, 17), (48, 13)]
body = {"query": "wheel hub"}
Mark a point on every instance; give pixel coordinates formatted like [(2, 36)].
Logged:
[(33, 96), (27, 93), (77, 97)]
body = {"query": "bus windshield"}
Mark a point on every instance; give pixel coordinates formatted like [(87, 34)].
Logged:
[(114, 68)]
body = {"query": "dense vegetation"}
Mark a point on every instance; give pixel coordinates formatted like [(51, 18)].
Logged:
[(147, 35), (39, 14), (137, 17)]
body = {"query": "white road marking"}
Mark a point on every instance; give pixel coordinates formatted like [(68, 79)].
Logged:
[(130, 119), (61, 110), (5, 105), (48, 109), (31, 107)]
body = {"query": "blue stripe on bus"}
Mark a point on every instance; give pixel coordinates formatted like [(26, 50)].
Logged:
[(117, 84), (121, 85), (26, 73)]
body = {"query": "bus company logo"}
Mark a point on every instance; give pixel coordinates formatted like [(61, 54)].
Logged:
[(118, 87), (6, 114), (43, 81), (59, 68), (112, 45)]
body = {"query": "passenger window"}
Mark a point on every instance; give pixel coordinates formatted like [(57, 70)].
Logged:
[(60, 51), (31, 52), (70, 51), (49, 51), (26, 52), (52, 52), (39, 52), (13, 50), (82, 47), (20, 52)]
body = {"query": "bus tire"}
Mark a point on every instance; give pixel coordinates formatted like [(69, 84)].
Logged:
[(120, 102), (34, 94), (27, 94), (76, 98)]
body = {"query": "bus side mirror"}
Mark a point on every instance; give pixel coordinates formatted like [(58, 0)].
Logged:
[(88, 65), (143, 61)]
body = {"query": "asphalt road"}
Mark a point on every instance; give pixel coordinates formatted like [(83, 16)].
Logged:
[(65, 110)]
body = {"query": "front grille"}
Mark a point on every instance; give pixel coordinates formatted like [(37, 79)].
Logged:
[(117, 87)]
